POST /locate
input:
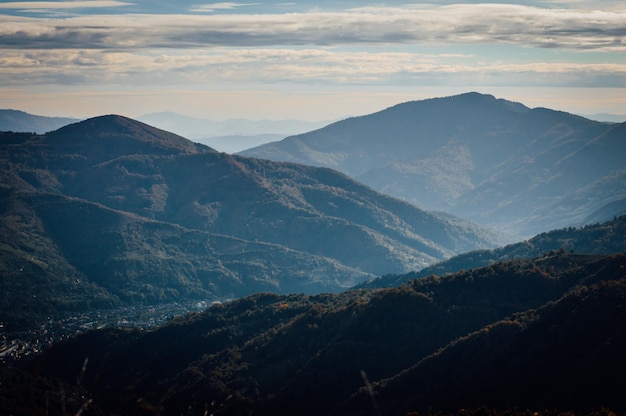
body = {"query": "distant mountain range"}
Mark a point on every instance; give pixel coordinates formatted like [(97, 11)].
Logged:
[(237, 142), (607, 117), (20, 121), (112, 212), (544, 335), (228, 136), (232, 135), (495, 162)]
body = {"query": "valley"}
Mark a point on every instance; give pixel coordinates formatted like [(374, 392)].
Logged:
[(19, 346)]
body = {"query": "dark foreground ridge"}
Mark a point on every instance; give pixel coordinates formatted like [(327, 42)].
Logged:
[(544, 333)]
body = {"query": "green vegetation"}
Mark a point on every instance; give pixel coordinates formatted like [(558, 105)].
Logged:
[(110, 212), (487, 336)]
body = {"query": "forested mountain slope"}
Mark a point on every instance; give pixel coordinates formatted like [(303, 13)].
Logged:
[(136, 214), (535, 334), (566, 354), (493, 161), (602, 238)]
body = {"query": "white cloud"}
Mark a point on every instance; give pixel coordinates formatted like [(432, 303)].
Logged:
[(308, 66), (208, 8), (45, 5), (418, 46), (443, 25)]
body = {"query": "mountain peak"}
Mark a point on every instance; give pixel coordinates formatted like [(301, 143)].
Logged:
[(476, 95), (487, 100), (118, 131), (110, 124)]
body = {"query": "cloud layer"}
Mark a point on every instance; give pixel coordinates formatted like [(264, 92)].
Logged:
[(84, 46), (272, 66), (453, 24), (47, 5)]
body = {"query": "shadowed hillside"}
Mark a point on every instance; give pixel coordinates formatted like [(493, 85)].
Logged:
[(541, 333), (567, 354), (142, 215)]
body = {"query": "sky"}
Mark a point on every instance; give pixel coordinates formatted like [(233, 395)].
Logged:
[(307, 60)]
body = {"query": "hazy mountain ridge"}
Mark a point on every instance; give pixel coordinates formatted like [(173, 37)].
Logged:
[(229, 135), (20, 121), (121, 205), (234, 143), (489, 160), (193, 127), (270, 354), (606, 117)]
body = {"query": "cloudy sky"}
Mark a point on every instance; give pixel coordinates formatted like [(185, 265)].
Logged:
[(311, 60)]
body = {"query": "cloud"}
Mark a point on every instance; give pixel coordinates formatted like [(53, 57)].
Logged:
[(438, 25), (44, 5), (307, 66), (208, 8), (532, 46)]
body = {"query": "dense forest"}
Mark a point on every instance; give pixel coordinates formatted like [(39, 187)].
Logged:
[(111, 213), (526, 333)]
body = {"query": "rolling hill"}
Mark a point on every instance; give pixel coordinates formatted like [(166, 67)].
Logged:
[(136, 215), (493, 161)]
